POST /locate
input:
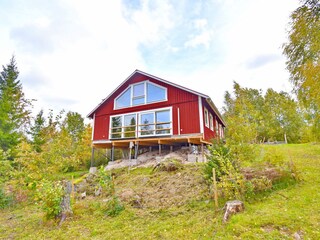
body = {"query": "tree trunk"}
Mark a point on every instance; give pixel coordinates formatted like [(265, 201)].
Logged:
[(65, 203), (231, 208)]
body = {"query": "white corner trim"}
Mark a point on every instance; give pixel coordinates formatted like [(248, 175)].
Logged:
[(200, 114), (94, 119)]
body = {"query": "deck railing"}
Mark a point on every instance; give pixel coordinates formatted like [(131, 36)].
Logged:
[(141, 130)]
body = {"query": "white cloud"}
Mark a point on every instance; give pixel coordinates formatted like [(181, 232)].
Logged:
[(71, 54)]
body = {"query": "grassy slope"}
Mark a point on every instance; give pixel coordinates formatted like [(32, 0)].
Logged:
[(277, 216)]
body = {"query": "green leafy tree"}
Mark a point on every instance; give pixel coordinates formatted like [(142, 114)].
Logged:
[(243, 114), (303, 58), (74, 125), (14, 113), (283, 120), (252, 117)]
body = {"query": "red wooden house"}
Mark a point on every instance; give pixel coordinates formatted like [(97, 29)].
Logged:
[(145, 110)]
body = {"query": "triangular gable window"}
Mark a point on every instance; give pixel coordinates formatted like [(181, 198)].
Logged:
[(141, 93)]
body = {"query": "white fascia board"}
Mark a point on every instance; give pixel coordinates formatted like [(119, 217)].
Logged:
[(200, 114)]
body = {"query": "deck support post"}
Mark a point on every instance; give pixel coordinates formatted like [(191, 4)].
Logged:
[(202, 151), (136, 149), (159, 149), (92, 157), (112, 153), (150, 149), (171, 148)]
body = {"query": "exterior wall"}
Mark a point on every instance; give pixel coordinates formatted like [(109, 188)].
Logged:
[(208, 133), (177, 98)]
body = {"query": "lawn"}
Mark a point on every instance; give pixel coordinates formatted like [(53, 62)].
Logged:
[(281, 213)]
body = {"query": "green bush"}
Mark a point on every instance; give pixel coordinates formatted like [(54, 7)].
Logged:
[(219, 158), (245, 152), (6, 170), (232, 186), (5, 200), (105, 182), (49, 196), (261, 184), (112, 207), (274, 157)]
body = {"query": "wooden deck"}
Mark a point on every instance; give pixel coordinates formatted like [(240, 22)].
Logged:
[(168, 140)]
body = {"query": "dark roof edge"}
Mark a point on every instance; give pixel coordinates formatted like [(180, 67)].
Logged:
[(215, 109)]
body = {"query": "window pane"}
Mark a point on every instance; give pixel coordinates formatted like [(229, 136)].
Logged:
[(116, 127), (163, 117), (211, 122), (137, 101), (147, 122), (129, 125), (206, 118), (124, 99), (163, 128), (138, 90), (155, 93)]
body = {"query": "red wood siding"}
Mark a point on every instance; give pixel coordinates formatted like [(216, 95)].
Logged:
[(100, 127), (177, 98), (208, 133)]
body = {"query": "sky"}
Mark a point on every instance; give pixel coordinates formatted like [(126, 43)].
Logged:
[(72, 53)]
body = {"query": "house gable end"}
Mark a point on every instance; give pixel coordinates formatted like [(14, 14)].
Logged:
[(135, 77)]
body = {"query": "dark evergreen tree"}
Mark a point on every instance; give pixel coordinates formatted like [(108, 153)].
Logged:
[(14, 113), (38, 132)]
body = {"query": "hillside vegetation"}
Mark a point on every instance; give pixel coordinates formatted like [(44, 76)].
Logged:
[(177, 205)]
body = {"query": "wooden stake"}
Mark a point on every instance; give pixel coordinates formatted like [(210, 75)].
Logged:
[(215, 190), (72, 187)]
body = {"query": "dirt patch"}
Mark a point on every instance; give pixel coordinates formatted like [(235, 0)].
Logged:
[(149, 159), (268, 172), (162, 189)]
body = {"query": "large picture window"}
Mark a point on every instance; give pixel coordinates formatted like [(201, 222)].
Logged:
[(142, 124), (141, 93), (155, 123)]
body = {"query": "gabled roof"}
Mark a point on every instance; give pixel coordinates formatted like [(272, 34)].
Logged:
[(208, 99)]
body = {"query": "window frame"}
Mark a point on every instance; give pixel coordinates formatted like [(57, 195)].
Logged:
[(206, 117), (211, 122), (145, 96), (155, 122), (138, 123), (122, 125)]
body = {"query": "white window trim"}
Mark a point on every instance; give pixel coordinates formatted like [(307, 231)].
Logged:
[(154, 117), (122, 121), (211, 122), (200, 114), (206, 117), (138, 113), (145, 95)]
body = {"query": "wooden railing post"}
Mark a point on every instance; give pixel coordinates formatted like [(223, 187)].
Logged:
[(215, 190)]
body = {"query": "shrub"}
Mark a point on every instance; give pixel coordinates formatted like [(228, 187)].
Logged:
[(245, 152), (169, 165), (105, 182), (5, 170), (112, 207), (5, 200), (274, 157), (261, 184), (49, 196), (221, 160), (232, 186)]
